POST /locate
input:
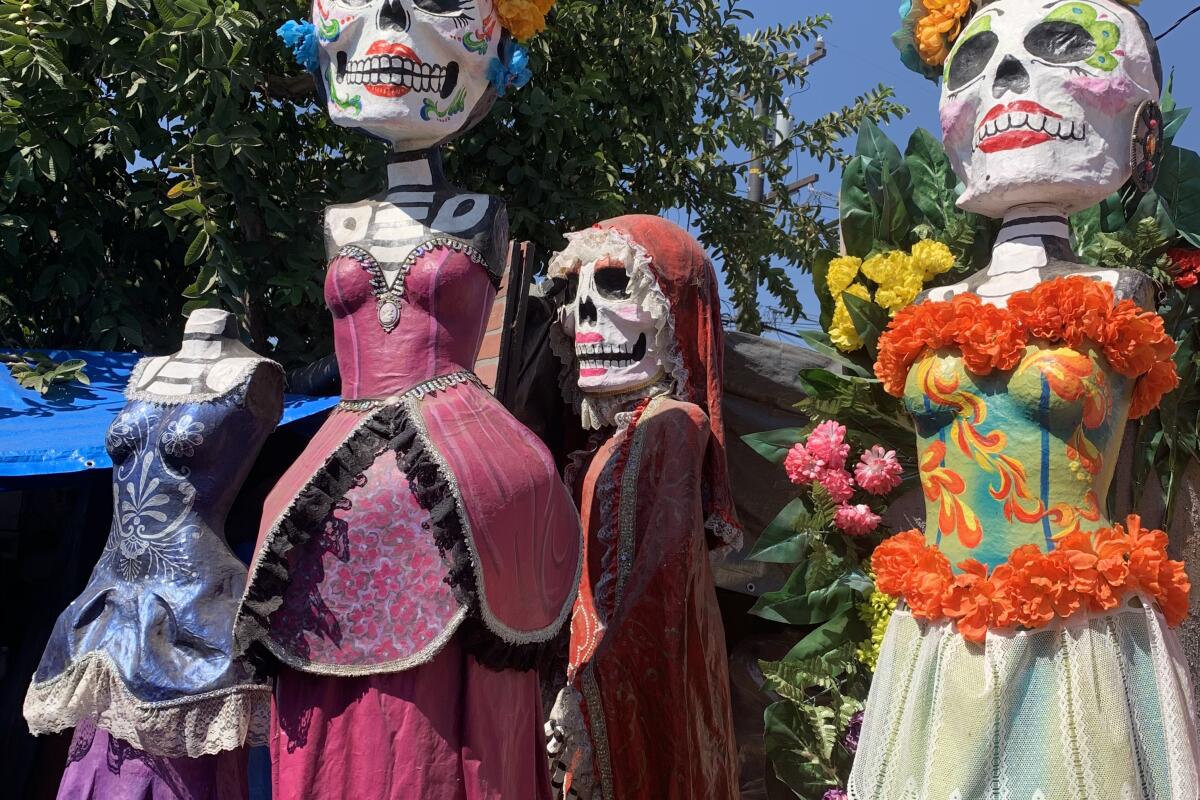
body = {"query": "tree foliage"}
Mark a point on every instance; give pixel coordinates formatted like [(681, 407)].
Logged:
[(162, 155)]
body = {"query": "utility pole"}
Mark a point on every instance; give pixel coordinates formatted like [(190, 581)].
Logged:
[(772, 136)]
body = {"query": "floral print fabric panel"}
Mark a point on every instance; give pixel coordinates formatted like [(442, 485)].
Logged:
[(369, 589)]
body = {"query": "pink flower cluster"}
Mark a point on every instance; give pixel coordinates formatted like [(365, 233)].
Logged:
[(821, 460)]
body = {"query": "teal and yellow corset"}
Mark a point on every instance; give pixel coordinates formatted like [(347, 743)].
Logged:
[(1020, 413), (1016, 457)]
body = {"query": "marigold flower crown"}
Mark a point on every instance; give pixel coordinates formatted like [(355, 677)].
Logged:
[(929, 29)]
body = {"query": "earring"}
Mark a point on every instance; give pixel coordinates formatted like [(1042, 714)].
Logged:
[(1146, 148)]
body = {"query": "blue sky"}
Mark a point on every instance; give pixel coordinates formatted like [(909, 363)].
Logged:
[(861, 56)]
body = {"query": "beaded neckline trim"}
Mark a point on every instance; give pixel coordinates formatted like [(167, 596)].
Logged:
[(389, 297), (431, 386)]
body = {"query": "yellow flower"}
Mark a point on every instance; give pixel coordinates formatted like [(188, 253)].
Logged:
[(841, 273), (937, 30), (523, 18), (897, 295), (842, 332), (876, 612), (889, 269), (931, 258)]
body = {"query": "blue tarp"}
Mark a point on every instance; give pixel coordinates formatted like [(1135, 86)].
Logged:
[(64, 431)]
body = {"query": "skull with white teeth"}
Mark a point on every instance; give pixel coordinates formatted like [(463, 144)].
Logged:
[(411, 72), (1039, 101), (615, 335)]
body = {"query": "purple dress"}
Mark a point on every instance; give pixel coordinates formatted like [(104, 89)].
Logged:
[(143, 662)]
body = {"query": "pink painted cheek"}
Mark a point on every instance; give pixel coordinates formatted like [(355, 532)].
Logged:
[(628, 312), (956, 117), (1108, 95)]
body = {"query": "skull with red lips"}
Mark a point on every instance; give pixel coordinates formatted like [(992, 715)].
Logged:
[(411, 72), (1039, 100), (615, 334)]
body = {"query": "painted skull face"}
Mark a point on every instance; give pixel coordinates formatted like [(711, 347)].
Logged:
[(1039, 100), (411, 72), (615, 336)]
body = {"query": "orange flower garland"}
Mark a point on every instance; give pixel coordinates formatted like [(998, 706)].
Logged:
[(1068, 310), (1084, 572)]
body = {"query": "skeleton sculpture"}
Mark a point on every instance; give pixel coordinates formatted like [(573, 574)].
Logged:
[(1032, 656), (645, 715), (422, 552), (1040, 106)]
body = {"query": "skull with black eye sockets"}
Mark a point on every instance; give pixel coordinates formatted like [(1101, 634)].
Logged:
[(411, 72), (1039, 100), (614, 335)]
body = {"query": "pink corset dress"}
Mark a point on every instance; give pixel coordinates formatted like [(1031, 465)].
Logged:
[(416, 559)]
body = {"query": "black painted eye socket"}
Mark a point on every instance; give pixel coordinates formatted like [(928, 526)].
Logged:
[(443, 6), (970, 59), (1060, 42), (612, 282)]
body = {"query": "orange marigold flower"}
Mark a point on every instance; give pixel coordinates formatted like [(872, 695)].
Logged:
[(1071, 310), (939, 28), (895, 559), (925, 587), (1176, 587), (1065, 310), (1137, 343), (1149, 390), (989, 337), (969, 601), (1096, 571)]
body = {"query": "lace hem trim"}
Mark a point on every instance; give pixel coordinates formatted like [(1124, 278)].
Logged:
[(239, 386), (192, 726), (728, 535), (598, 411)]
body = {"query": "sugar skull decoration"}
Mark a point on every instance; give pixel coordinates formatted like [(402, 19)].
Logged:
[(1042, 102), (614, 333), (414, 73)]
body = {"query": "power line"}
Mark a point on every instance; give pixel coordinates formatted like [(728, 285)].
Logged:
[(1178, 22)]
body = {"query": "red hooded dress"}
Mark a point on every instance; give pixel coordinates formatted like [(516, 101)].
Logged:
[(648, 655)]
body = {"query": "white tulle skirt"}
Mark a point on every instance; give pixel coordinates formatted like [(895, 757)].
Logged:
[(1097, 707)]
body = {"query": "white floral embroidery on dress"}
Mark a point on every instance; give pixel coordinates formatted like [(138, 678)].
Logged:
[(145, 541), (183, 436)]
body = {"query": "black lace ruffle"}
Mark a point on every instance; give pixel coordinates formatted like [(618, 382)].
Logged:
[(388, 428)]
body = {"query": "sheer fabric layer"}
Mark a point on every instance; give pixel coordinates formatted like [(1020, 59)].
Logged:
[(1096, 707)]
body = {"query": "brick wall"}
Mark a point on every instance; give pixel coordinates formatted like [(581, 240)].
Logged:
[(488, 363)]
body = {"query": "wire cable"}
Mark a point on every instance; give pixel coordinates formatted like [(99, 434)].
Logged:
[(1178, 22)]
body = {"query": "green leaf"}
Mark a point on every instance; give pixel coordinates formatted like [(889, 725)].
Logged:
[(859, 214), (774, 445), (197, 248), (841, 629), (933, 179), (869, 319), (783, 541), (813, 608), (1178, 186), (185, 208), (102, 11), (795, 759), (819, 341)]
